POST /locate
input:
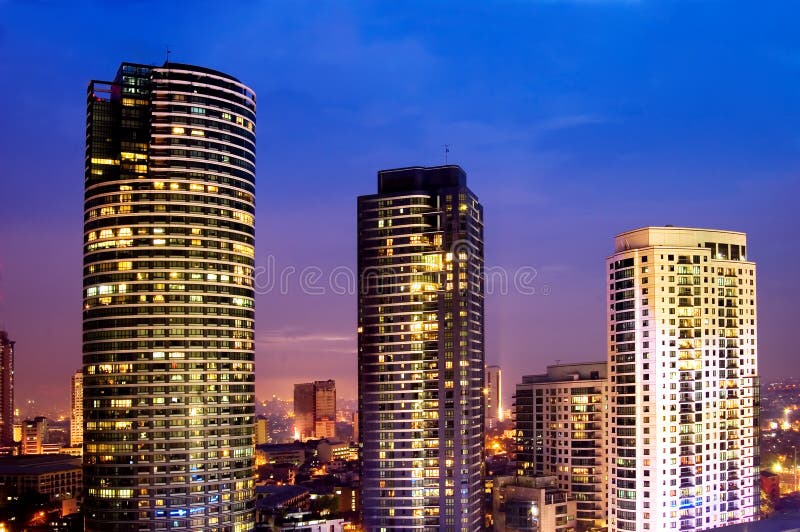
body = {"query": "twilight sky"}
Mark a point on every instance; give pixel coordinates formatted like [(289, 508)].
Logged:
[(575, 120)]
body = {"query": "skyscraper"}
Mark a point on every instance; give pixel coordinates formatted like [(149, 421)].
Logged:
[(494, 391), (6, 390), (168, 301), (560, 424), (76, 417), (315, 409), (421, 352), (683, 439)]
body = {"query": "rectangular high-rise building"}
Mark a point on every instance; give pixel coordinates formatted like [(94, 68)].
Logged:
[(494, 391), (421, 351), (325, 409), (315, 410), (560, 420), (682, 353), (168, 301), (6, 390), (34, 435), (76, 414)]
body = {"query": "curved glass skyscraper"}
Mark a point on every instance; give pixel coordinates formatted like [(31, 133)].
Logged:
[(168, 301)]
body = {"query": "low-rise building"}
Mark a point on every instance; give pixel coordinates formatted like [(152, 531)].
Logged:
[(281, 453), (58, 476), (331, 450), (306, 522)]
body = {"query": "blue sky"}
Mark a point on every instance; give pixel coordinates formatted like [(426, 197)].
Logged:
[(575, 120)]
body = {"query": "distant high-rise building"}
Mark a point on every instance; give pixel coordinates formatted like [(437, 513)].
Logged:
[(262, 431), (34, 435), (315, 409), (421, 352), (683, 419), (76, 417), (304, 410), (560, 426), (6, 390), (325, 409), (168, 311), (494, 391)]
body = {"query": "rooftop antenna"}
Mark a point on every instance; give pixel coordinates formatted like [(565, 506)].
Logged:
[(446, 151), (168, 52)]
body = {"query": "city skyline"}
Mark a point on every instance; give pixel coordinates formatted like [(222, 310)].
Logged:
[(557, 160)]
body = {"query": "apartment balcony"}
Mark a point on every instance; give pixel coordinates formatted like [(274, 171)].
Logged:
[(687, 525), (687, 482)]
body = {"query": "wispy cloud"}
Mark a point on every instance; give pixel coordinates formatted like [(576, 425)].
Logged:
[(556, 123), (288, 336)]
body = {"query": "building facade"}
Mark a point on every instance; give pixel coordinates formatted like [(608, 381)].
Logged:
[(315, 410), (168, 301), (76, 413), (682, 352), (525, 504), (58, 476), (34, 435), (421, 352), (494, 397), (6, 390), (560, 420)]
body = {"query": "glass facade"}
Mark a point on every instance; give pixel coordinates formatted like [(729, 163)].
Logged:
[(168, 298), (421, 352)]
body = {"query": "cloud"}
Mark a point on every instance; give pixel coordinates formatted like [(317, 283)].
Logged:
[(557, 123), (289, 336)]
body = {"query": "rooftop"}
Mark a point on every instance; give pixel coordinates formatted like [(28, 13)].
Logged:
[(418, 178), (38, 464), (779, 522)]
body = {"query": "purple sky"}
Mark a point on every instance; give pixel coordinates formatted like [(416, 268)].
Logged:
[(575, 120)]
